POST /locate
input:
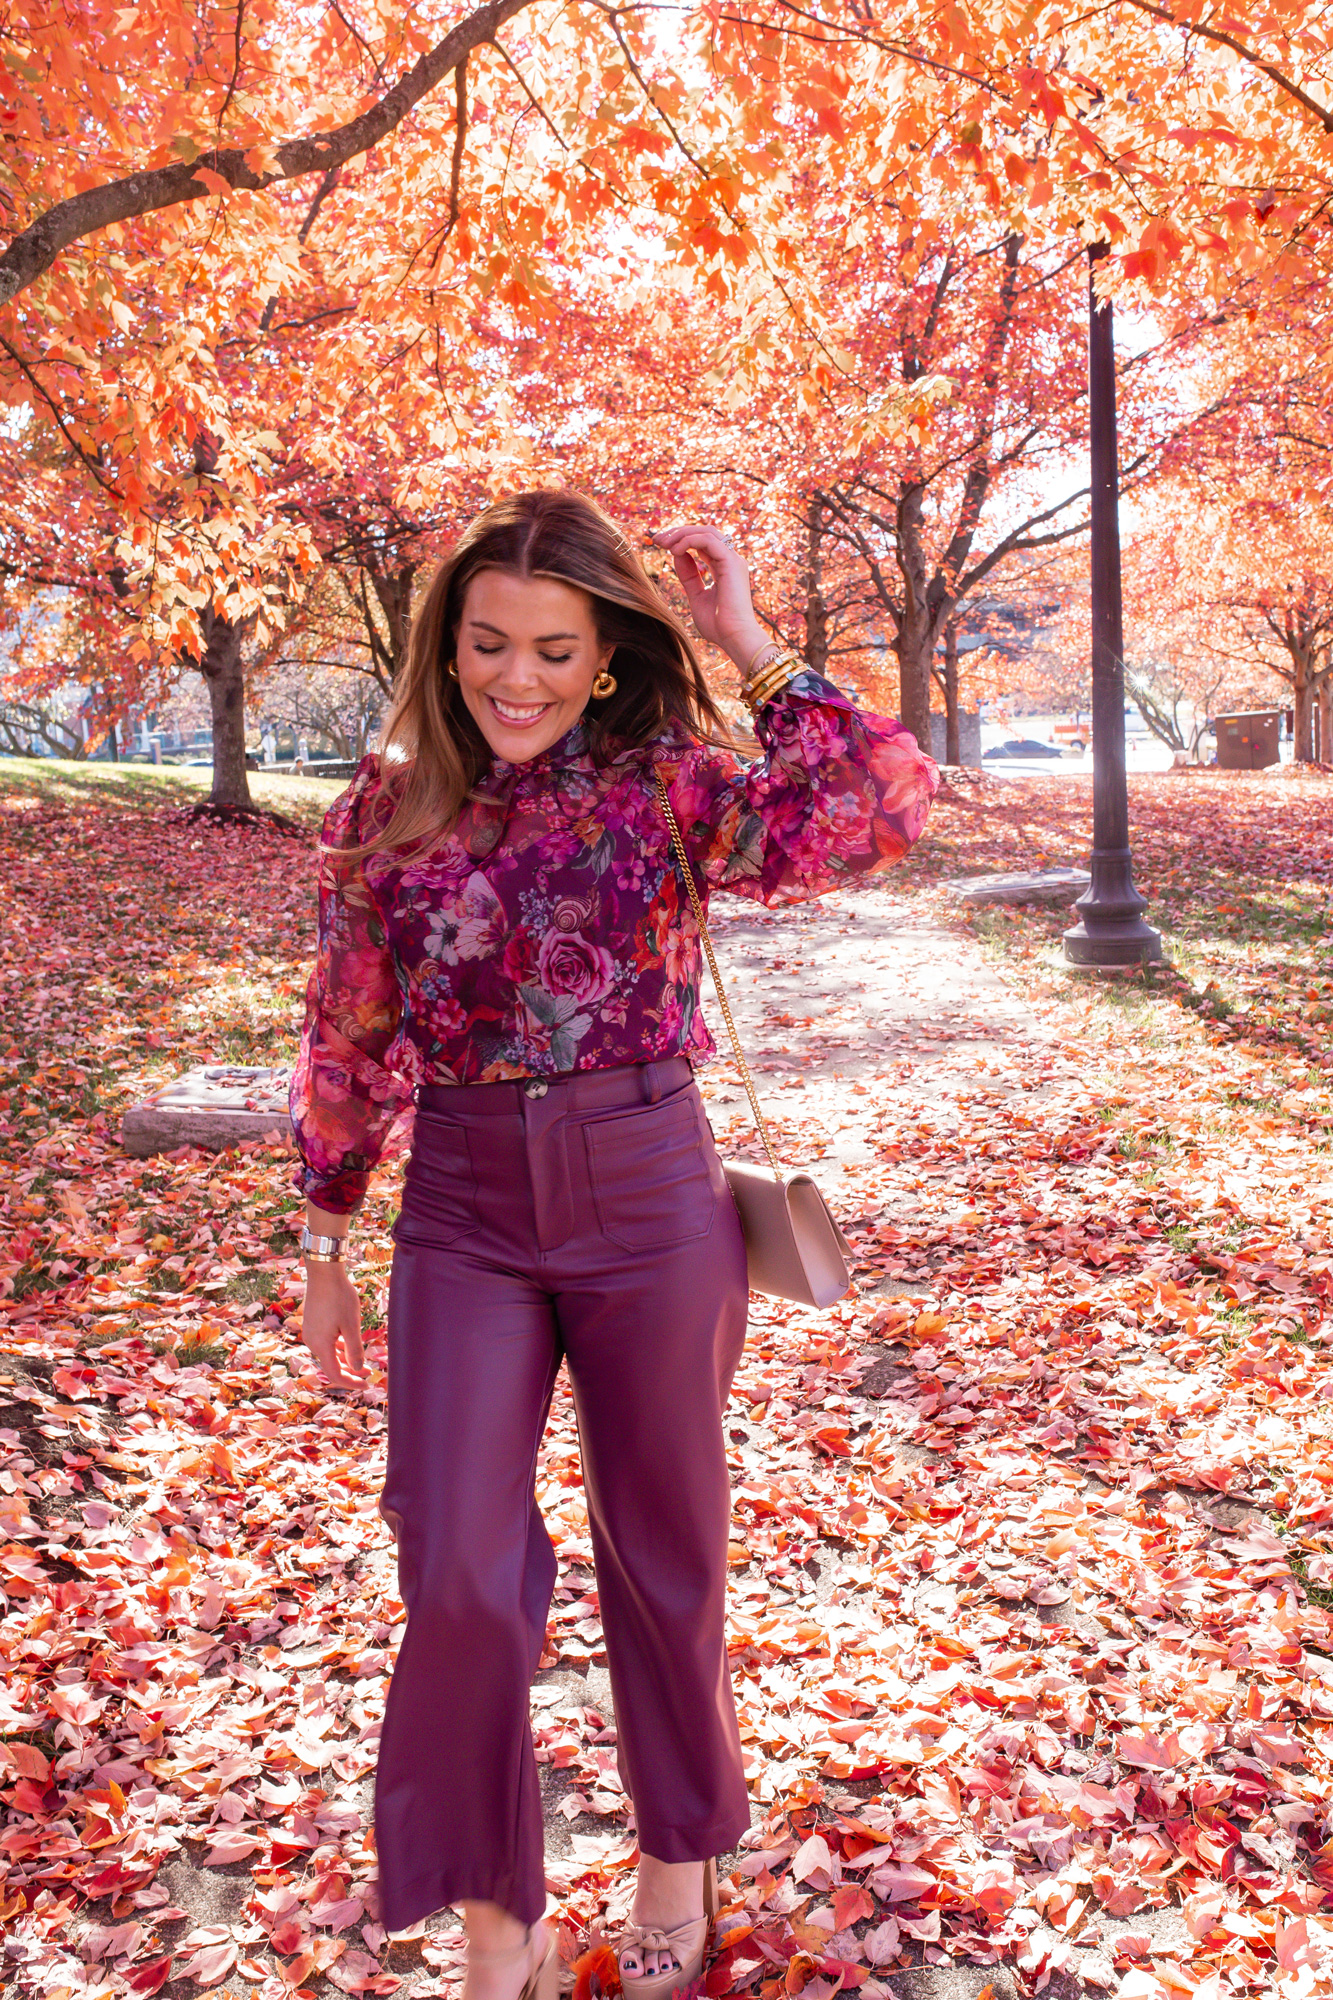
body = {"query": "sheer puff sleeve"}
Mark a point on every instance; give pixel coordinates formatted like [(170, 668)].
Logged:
[(839, 793), (346, 1093)]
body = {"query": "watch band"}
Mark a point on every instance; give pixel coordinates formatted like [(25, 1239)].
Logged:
[(322, 1249)]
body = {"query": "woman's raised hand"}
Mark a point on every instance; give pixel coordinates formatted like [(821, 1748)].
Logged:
[(720, 602)]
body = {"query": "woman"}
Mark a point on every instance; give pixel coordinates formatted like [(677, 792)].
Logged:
[(506, 943)]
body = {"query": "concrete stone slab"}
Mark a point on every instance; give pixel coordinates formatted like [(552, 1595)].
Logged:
[(212, 1108), (1045, 885)]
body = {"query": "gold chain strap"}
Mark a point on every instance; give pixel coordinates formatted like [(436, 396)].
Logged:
[(679, 845)]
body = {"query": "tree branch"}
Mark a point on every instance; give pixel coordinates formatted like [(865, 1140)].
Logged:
[(236, 66), (80, 451), (460, 136), (36, 248), (324, 189), (1237, 47), (361, 43)]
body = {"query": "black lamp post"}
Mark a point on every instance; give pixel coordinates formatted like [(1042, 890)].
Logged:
[(1112, 930)]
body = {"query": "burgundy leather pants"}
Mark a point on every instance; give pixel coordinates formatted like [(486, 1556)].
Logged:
[(588, 1220)]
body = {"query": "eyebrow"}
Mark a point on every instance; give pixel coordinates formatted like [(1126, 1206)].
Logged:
[(543, 638)]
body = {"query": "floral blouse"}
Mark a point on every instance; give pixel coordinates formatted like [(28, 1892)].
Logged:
[(552, 930)]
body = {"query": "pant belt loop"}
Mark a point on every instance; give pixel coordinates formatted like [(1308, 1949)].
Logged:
[(652, 1083)]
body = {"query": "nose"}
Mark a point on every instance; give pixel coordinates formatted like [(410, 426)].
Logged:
[(522, 677)]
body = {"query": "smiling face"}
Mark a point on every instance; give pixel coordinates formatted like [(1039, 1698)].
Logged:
[(527, 656)]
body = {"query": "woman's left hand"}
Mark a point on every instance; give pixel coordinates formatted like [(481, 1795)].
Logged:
[(721, 608)]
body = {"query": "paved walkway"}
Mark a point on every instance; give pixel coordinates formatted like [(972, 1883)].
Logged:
[(856, 997)]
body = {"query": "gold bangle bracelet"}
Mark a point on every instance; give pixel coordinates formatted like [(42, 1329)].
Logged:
[(755, 698), (771, 646), (786, 661), (770, 680), (773, 670)]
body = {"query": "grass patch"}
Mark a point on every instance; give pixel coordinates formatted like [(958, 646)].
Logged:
[(247, 1288), (1234, 1325), (1268, 1104), (195, 1353), (68, 782), (1319, 1594)]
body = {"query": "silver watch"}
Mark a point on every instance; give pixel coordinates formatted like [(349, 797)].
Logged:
[(322, 1249)]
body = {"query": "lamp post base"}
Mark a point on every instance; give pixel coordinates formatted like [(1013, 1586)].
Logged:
[(1112, 931)]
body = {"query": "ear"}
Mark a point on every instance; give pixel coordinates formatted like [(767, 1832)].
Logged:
[(604, 658)]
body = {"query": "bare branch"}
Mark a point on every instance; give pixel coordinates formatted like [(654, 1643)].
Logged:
[(235, 68), (460, 136), (324, 189), (535, 102), (361, 42)]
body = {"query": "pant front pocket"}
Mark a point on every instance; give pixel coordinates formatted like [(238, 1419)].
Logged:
[(651, 1178), (440, 1190)]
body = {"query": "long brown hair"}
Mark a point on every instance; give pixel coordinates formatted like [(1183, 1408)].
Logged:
[(432, 750)]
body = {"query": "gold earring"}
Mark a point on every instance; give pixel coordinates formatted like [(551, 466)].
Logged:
[(605, 685), (452, 670)]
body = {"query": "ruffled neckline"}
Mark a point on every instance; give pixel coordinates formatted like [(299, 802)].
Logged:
[(481, 824)]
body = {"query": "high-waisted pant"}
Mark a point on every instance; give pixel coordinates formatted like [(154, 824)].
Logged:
[(587, 1218)]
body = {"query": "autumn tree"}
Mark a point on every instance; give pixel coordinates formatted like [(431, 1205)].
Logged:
[(185, 205), (942, 459)]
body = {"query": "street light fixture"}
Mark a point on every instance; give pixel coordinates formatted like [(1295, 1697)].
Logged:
[(1112, 931)]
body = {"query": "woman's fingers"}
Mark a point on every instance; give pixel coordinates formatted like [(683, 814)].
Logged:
[(336, 1373), (692, 536), (685, 545), (356, 1360), (720, 603)]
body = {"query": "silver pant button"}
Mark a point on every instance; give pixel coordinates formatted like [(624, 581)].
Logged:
[(536, 1088)]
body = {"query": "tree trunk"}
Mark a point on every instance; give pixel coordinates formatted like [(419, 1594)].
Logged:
[(1324, 716), (393, 591), (952, 750), (224, 677), (1303, 651), (1302, 743), (914, 641), (816, 609)]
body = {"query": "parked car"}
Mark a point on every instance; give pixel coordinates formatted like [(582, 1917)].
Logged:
[(1024, 746)]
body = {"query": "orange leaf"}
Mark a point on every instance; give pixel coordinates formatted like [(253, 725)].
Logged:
[(850, 1904)]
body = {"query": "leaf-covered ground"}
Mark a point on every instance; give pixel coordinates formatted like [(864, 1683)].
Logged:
[(1033, 1545)]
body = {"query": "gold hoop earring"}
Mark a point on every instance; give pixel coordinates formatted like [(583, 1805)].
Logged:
[(452, 670), (605, 685)]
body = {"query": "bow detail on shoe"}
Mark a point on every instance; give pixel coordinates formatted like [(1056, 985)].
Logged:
[(646, 1941), (687, 1944)]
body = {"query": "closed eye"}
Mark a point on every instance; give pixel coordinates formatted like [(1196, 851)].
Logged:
[(551, 659)]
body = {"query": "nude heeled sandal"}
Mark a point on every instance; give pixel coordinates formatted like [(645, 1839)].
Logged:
[(543, 1982), (687, 1944)]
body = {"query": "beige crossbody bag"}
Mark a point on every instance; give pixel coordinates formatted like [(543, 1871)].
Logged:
[(793, 1247)]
